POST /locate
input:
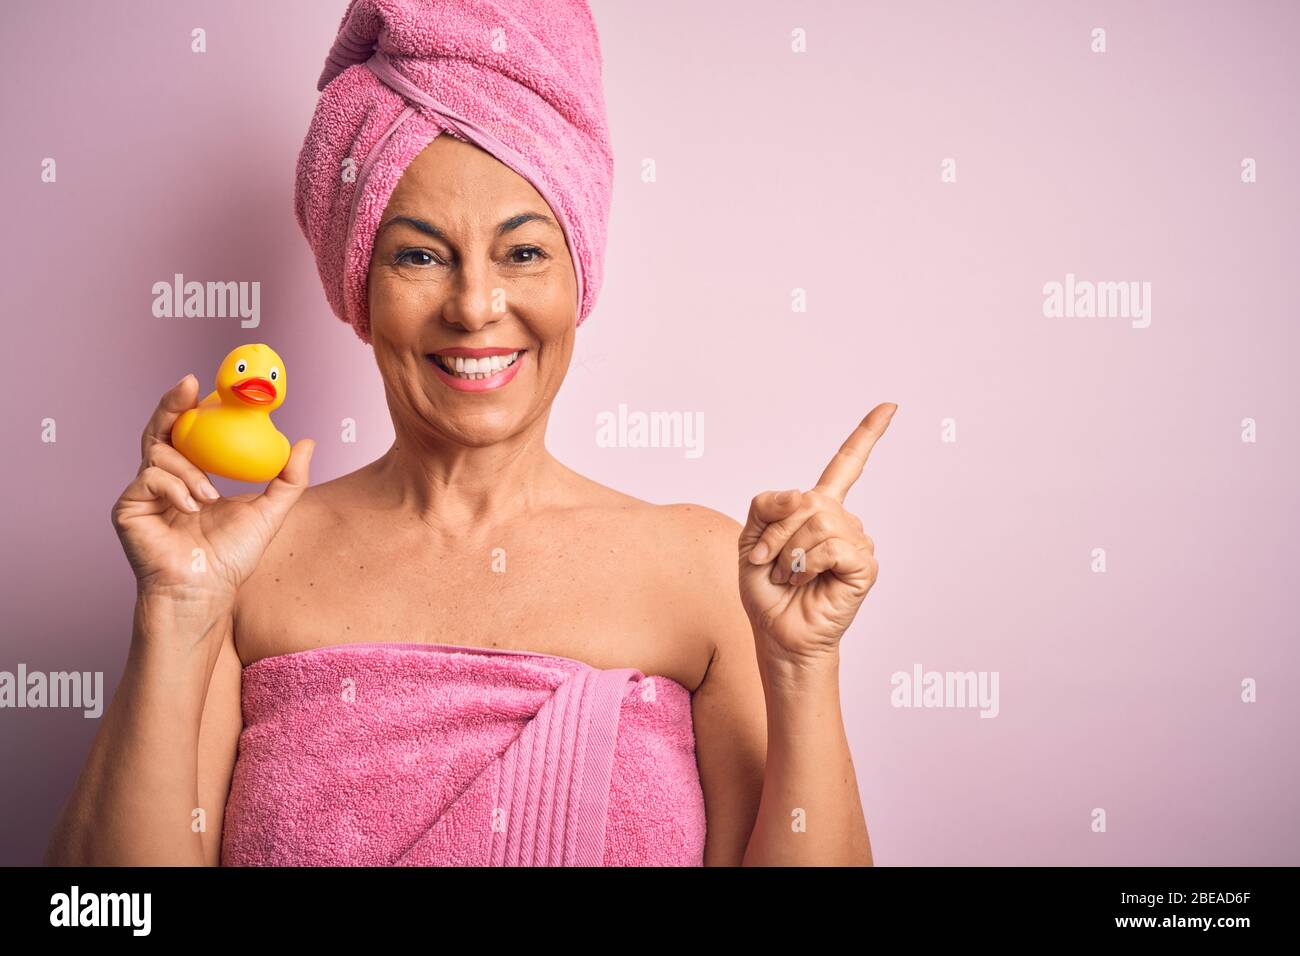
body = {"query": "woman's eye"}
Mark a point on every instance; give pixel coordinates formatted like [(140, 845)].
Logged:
[(405, 256), (534, 254)]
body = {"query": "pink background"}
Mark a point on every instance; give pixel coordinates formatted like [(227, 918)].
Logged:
[(775, 171)]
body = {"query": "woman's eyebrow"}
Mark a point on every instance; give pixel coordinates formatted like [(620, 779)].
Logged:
[(419, 224), (514, 222)]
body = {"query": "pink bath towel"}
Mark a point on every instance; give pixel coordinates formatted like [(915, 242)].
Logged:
[(437, 754)]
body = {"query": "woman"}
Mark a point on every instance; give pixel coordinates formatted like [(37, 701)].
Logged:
[(467, 534)]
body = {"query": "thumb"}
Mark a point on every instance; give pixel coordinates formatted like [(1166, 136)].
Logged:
[(287, 487), (767, 509)]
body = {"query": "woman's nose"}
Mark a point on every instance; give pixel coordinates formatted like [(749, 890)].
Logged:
[(476, 300)]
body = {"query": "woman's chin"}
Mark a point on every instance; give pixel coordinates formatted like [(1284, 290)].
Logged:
[(476, 434), (474, 427)]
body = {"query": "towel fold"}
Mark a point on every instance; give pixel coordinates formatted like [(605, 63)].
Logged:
[(519, 78), (435, 754)]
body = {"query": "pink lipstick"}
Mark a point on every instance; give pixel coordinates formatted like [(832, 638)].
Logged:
[(487, 383)]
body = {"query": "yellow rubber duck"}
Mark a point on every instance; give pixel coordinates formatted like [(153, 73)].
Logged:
[(230, 433)]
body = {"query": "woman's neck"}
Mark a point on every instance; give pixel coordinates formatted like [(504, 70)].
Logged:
[(451, 485)]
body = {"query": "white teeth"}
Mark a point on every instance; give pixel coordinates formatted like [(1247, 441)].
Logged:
[(471, 368)]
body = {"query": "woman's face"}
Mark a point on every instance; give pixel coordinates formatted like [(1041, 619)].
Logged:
[(469, 256)]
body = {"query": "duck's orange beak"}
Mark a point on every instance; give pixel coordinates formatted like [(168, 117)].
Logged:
[(255, 391)]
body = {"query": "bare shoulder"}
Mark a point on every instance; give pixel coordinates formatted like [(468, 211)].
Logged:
[(701, 524), (691, 543), (700, 538), (673, 523), (686, 552), (695, 548)]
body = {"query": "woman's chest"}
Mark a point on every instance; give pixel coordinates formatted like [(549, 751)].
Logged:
[(597, 595)]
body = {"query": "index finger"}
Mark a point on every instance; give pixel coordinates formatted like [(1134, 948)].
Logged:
[(846, 467), (175, 400)]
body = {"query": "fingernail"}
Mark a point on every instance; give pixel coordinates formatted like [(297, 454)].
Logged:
[(191, 503), (182, 380), (759, 554), (208, 489)]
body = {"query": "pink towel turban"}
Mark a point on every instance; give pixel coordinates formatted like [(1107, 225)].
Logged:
[(519, 78)]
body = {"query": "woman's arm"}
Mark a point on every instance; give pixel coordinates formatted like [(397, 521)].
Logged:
[(153, 789), (134, 802), (806, 564), (223, 722), (778, 779), (811, 812)]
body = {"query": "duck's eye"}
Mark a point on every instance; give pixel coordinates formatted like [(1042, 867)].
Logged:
[(241, 368), (275, 373)]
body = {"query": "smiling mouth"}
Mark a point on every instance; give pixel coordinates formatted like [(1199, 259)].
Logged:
[(472, 369)]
